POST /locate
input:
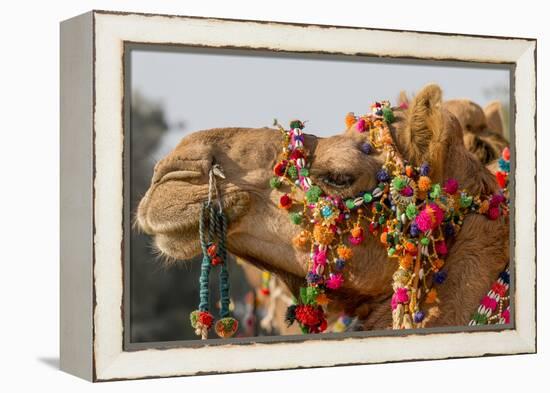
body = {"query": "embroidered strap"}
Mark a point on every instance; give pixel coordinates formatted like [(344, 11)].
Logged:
[(494, 308)]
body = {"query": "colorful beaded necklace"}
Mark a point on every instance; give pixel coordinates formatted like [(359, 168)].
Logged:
[(412, 217)]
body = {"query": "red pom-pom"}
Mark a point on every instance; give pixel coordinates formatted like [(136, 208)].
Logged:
[(501, 179), (205, 318), (285, 202), (307, 315), (212, 250), (506, 154), (264, 291), (279, 169), (216, 261)]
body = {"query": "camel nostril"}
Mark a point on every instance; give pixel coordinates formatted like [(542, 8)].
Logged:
[(182, 175)]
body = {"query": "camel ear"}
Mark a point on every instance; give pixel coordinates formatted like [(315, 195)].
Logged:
[(403, 99), (423, 139), (495, 118)]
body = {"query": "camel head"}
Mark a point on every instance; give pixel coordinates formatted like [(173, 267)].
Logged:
[(260, 232)]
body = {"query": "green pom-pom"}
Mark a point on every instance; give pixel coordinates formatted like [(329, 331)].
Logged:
[(465, 201), (304, 172), (391, 251), (436, 191), (296, 124), (378, 207), (194, 316), (313, 194), (274, 182), (388, 115), (411, 211), (425, 241), (350, 204), (382, 220), (367, 197), (399, 183), (296, 218), (292, 172)]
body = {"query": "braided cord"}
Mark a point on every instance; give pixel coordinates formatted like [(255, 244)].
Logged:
[(224, 273), (204, 292)]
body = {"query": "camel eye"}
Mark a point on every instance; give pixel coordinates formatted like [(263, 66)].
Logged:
[(338, 180)]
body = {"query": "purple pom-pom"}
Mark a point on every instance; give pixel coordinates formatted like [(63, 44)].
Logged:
[(424, 169), (383, 175), (367, 148), (440, 277), (449, 230), (418, 316), (413, 230), (340, 264), (313, 278)]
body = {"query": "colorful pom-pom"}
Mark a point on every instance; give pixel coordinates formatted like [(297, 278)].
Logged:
[(367, 148), (285, 201), (350, 119), (451, 186), (275, 182), (382, 175), (389, 117), (313, 194), (296, 218), (344, 252), (335, 281)]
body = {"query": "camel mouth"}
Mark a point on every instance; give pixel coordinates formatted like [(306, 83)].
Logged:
[(176, 234)]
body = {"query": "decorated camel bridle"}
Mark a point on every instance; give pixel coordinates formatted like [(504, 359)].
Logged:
[(412, 217)]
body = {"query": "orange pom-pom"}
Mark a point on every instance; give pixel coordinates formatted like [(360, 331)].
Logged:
[(322, 299), (323, 234), (408, 170), (424, 183), (411, 248), (431, 296), (344, 252), (357, 231), (350, 119), (406, 261), (484, 207), (300, 240), (384, 238)]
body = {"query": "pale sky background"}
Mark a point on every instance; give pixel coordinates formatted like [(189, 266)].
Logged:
[(200, 88)]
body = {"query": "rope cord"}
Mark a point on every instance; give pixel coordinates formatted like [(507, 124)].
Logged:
[(204, 291)]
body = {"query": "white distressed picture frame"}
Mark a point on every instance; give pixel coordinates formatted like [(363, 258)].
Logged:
[(92, 195)]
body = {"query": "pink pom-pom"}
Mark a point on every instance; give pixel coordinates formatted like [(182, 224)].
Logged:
[(441, 248), (355, 241), (430, 217), (493, 213), (451, 186), (334, 281), (360, 125), (400, 296)]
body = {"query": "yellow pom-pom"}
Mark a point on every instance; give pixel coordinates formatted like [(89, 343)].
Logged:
[(424, 183)]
